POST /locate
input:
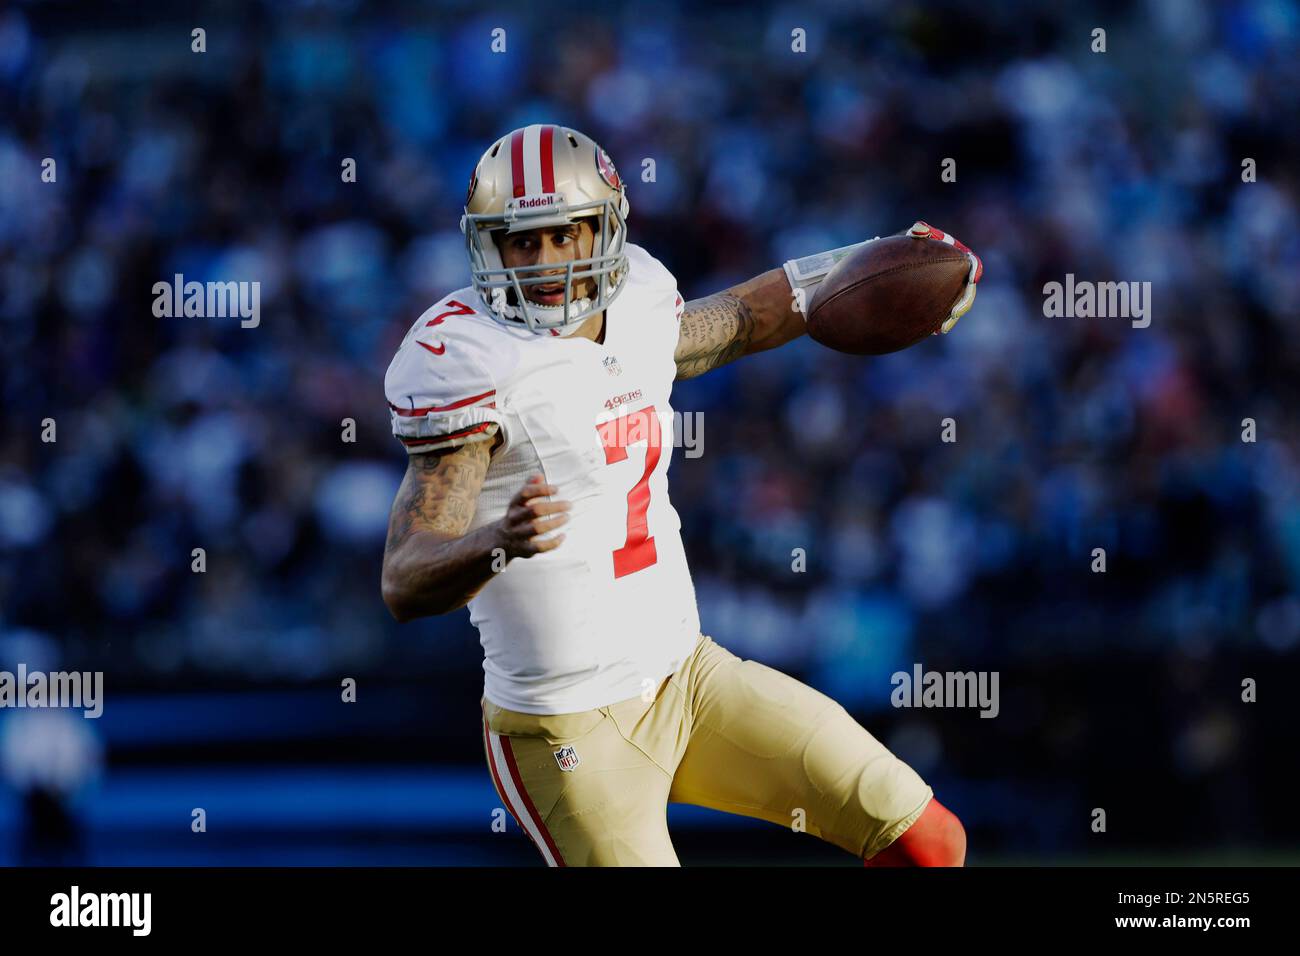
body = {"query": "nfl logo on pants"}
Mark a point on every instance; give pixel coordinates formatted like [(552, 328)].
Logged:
[(567, 758)]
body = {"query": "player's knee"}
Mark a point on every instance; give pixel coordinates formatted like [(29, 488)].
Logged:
[(936, 838)]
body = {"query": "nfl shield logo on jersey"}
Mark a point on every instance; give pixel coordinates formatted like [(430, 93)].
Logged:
[(567, 758), (612, 366)]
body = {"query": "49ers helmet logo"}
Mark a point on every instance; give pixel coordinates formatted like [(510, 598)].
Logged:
[(473, 183), (605, 166)]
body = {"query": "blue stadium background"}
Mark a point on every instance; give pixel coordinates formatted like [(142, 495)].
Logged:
[(1119, 691)]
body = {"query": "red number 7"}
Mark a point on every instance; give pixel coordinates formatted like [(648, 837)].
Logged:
[(638, 551), (460, 309)]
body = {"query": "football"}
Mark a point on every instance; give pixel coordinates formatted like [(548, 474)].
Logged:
[(887, 295)]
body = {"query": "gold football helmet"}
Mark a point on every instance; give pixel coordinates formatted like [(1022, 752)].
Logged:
[(540, 176)]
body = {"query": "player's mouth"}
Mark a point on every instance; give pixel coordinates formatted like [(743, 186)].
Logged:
[(552, 293)]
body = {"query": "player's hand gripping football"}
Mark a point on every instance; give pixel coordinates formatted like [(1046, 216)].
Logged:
[(531, 515), (923, 230)]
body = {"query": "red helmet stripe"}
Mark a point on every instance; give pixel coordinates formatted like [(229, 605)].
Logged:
[(517, 161), (548, 159)]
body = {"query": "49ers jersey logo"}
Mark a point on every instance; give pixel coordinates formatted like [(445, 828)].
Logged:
[(605, 166), (615, 401)]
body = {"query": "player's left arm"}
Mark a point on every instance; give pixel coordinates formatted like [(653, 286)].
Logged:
[(766, 311), (756, 315)]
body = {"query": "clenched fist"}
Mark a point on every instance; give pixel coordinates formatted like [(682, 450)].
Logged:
[(532, 513)]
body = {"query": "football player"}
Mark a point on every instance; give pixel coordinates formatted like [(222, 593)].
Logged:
[(535, 408)]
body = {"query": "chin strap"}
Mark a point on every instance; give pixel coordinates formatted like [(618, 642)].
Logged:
[(566, 330), (504, 310)]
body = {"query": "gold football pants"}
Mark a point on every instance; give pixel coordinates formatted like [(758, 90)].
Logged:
[(592, 788)]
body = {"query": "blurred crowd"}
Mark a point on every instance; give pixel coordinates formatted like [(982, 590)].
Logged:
[(1072, 434)]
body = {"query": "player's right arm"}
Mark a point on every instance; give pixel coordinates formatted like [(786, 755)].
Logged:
[(442, 394), (431, 565)]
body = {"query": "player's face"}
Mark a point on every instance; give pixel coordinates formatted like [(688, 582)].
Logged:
[(556, 245)]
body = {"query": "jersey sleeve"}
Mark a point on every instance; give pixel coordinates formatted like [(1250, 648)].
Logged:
[(440, 401), (658, 283)]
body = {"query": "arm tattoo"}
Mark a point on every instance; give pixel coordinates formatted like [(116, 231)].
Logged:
[(439, 493), (715, 330)]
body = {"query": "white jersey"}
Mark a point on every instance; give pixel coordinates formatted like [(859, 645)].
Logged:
[(611, 611)]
